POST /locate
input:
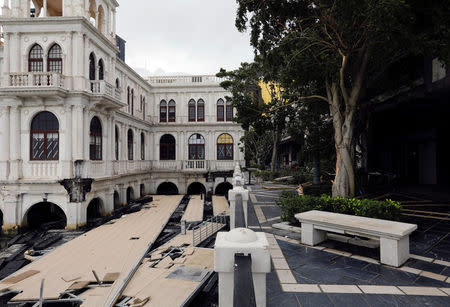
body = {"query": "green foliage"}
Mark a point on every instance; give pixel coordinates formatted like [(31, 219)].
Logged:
[(300, 175), (292, 204)]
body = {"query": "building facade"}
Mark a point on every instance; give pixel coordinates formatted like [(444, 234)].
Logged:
[(82, 133)]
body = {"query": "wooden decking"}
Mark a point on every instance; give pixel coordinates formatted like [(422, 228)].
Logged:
[(194, 210), (112, 248), (220, 205), (152, 284)]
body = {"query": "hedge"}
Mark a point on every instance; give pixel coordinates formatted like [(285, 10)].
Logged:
[(292, 204)]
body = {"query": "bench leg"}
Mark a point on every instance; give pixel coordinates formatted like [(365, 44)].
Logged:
[(394, 252), (311, 236)]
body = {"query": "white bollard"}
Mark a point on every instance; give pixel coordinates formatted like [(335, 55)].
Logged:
[(237, 181), (232, 199), (248, 242)]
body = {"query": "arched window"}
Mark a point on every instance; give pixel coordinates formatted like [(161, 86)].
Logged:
[(167, 147), (128, 99), (130, 144), (142, 146), (220, 110), (191, 111), (36, 59), (92, 66), (44, 137), (117, 83), (229, 111), (116, 143), (200, 110), (132, 101), (225, 147), (101, 70), (54, 61), (163, 111), (196, 147), (95, 134), (143, 108), (172, 113)]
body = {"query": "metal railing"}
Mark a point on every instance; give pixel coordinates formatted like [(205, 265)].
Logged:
[(206, 229)]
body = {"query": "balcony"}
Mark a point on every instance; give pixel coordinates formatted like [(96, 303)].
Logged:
[(101, 87), (36, 79), (166, 165), (184, 80), (195, 165)]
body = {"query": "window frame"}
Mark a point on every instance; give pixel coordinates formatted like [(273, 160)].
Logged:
[(201, 107), (45, 132), (220, 109), (192, 114), (97, 153), (224, 146), (196, 147), (229, 111), (166, 148), (163, 110), (142, 146), (36, 60), (53, 60), (130, 145), (171, 109)]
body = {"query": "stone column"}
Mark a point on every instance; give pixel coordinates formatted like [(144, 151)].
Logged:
[(232, 194), (10, 209), (4, 140), (109, 202), (44, 8), (247, 242), (78, 132), (6, 55), (108, 147), (14, 55), (15, 142), (66, 144)]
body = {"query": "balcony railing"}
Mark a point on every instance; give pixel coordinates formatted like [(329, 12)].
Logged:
[(36, 79), (101, 87), (195, 164), (177, 80)]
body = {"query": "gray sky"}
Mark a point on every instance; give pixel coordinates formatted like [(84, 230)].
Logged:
[(182, 36)]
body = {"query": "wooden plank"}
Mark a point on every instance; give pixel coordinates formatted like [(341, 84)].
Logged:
[(220, 205), (194, 210), (163, 291), (19, 277), (105, 249)]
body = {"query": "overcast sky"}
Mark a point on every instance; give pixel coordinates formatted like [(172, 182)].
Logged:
[(182, 36)]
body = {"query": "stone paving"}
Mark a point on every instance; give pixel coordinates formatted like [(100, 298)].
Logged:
[(340, 274)]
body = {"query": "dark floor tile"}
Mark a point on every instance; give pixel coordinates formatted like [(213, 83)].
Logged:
[(419, 301), (271, 211), (428, 282), (285, 299), (388, 276), (377, 300), (314, 300), (425, 266), (353, 300)]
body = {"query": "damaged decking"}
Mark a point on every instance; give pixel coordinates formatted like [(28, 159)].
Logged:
[(220, 205), (112, 250), (194, 210), (154, 286)]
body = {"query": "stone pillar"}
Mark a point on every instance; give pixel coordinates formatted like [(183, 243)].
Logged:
[(109, 202), (15, 151), (122, 194), (66, 144), (44, 8), (14, 55), (75, 216), (6, 55), (4, 140), (10, 209), (232, 199), (78, 132), (247, 242)]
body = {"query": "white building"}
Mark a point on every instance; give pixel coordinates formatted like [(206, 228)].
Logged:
[(70, 107)]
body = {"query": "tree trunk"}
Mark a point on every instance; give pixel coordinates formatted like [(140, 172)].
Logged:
[(273, 164), (344, 181)]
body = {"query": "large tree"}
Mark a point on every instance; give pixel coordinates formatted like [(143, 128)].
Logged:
[(341, 46)]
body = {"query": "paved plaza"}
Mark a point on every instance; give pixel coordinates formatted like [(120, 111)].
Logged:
[(342, 274)]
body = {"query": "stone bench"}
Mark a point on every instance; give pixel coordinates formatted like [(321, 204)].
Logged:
[(394, 236)]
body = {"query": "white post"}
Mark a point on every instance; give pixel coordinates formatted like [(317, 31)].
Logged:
[(232, 199), (247, 242), (44, 13)]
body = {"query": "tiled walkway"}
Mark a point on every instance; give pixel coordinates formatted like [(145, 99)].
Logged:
[(331, 275)]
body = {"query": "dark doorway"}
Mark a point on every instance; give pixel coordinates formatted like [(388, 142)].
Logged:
[(130, 194), (94, 209), (223, 188), (116, 200), (142, 190), (167, 188), (43, 213), (196, 188)]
